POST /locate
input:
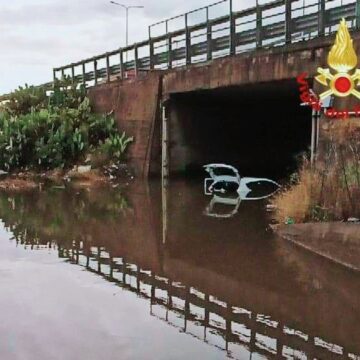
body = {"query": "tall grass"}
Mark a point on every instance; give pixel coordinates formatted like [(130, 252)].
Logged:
[(329, 190)]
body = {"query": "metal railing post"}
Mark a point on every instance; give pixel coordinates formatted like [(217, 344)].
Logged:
[(95, 72), (208, 36), (288, 15), (136, 60), (187, 41), (321, 18), (258, 25), (73, 73), (121, 64), (83, 74), (151, 50), (169, 45), (107, 68), (232, 29)]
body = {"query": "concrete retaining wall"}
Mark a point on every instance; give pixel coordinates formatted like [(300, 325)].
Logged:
[(135, 104)]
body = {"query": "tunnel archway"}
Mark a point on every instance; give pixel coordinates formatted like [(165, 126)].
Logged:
[(260, 129)]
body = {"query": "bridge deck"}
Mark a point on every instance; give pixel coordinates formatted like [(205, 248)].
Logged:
[(271, 24)]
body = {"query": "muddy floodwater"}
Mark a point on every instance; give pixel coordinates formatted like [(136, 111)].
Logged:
[(138, 272)]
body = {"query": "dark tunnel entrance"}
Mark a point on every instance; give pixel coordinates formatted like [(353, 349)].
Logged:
[(259, 129)]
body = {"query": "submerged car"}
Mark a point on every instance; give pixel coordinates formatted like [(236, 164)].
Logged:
[(225, 178), (229, 189)]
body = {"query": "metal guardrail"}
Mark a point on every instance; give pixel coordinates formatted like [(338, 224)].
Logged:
[(273, 23)]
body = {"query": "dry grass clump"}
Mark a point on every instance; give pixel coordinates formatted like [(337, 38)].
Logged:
[(294, 202), (330, 190)]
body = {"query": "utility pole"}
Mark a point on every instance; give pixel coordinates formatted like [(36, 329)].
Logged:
[(127, 8)]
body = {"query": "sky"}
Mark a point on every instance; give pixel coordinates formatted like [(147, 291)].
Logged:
[(37, 35)]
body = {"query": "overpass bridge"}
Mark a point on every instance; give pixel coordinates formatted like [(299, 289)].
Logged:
[(202, 36), (204, 77)]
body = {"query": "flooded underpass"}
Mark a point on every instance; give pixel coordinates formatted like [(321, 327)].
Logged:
[(113, 273), (260, 129)]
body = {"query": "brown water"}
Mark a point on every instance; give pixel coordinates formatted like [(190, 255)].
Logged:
[(136, 273)]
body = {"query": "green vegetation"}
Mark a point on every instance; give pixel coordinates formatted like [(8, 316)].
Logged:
[(56, 130), (329, 190), (61, 217)]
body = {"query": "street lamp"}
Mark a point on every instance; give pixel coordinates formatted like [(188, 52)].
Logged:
[(127, 8)]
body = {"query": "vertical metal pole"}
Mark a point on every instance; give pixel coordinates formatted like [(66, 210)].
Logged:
[(127, 32), (318, 118), (313, 136), (208, 35), (232, 29), (258, 25), (187, 41), (164, 208), (321, 18), (95, 72), (165, 171), (288, 15), (107, 68), (62, 73), (127, 27), (165, 143)]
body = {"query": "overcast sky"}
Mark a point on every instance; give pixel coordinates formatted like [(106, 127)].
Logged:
[(37, 35)]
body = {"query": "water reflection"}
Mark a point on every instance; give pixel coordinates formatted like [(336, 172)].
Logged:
[(230, 283)]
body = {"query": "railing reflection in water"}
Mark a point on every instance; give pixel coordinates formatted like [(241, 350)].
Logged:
[(228, 327), (91, 230)]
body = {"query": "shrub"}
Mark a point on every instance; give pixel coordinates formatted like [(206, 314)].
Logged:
[(23, 100), (55, 131)]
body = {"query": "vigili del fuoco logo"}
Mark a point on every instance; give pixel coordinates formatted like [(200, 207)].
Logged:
[(340, 80)]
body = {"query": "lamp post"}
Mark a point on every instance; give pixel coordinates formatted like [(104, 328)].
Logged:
[(127, 8)]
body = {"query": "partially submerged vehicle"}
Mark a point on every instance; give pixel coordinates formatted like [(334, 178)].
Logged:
[(225, 178), (229, 189)]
